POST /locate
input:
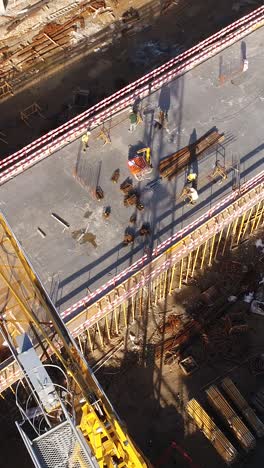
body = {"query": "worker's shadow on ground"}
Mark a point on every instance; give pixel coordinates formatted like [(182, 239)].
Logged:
[(152, 423)]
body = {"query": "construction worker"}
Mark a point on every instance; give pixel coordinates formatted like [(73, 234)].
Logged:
[(219, 170), (133, 120), (160, 120), (85, 140), (189, 193), (192, 195), (147, 155)]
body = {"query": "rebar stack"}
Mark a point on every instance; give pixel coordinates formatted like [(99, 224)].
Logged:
[(172, 165), (222, 445), (229, 416), (235, 396)]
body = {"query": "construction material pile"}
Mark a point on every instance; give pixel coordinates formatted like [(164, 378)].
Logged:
[(239, 401), (229, 416), (172, 165), (222, 445)]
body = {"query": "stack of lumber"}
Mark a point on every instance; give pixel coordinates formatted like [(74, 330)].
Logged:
[(229, 416), (249, 415), (211, 432), (172, 165)]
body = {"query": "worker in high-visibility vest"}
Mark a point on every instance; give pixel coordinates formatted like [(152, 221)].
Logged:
[(147, 155), (85, 140)]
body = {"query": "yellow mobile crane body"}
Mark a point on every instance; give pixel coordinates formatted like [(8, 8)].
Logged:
[(105, 435)]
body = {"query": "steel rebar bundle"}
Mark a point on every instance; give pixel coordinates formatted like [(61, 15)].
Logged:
[(222, 445), (172, 165), (229, 416), (235, 396)]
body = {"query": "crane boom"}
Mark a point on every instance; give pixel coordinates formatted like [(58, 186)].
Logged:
[(27, 308)]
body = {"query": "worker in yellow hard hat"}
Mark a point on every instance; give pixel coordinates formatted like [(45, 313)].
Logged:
[(191, 177), (85, 140)]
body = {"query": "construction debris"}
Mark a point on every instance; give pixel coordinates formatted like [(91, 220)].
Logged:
[(222, 445), (41, 232), (106, 212), (60, 220), (99, 194), (126, 186), (188, 365), (145, 230), (128, 238), (174, 164), (115, 176)]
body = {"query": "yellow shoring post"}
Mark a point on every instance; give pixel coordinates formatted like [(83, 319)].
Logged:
[(12, 390), (156, 292), (165, 284), (195, 260), (211, 250), (107, 327), (100, 334), (80, 344), (149, 297), (203, 255), (116, 321), (218, 243), (241, 227), (89, 340), (255, 217), (2, 396), (124, 313), (133, 304), (172, 278), (141, 301), (233, 233), (160, 286), (181, 270), (260, 216), (226, 237), (188, 266), (247, 222)]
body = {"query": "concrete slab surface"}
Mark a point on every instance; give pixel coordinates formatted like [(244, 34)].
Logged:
[(196, 103)]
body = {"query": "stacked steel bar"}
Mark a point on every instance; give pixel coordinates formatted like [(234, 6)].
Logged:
[(172, 165), (222, 445), (240, 431), (240, 402), (258, 401)]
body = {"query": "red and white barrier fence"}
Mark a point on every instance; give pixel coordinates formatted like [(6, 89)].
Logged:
[(144, 260), (155, 272), (55, 139)]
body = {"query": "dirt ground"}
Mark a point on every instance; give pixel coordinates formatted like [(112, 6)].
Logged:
[(114, 65), (151, 395)]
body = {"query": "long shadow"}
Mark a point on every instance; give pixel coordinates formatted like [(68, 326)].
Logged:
[(168, 229)]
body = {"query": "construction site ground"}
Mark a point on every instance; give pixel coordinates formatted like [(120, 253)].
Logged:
[(151, 396), (103, 60), (69, 264)]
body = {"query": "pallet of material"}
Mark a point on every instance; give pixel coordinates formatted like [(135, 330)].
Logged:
[(219, 441), (239, 401), (229, 416), (174, 164)]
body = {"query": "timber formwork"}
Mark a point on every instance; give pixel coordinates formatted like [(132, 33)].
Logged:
[(108, 315)]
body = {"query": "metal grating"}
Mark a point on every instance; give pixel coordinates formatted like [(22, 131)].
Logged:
[(62, 447)]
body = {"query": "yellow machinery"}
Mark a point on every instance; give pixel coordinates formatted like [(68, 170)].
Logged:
[(89, 434)]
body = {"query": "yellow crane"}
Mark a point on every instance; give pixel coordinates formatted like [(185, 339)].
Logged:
[(90, 434)]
